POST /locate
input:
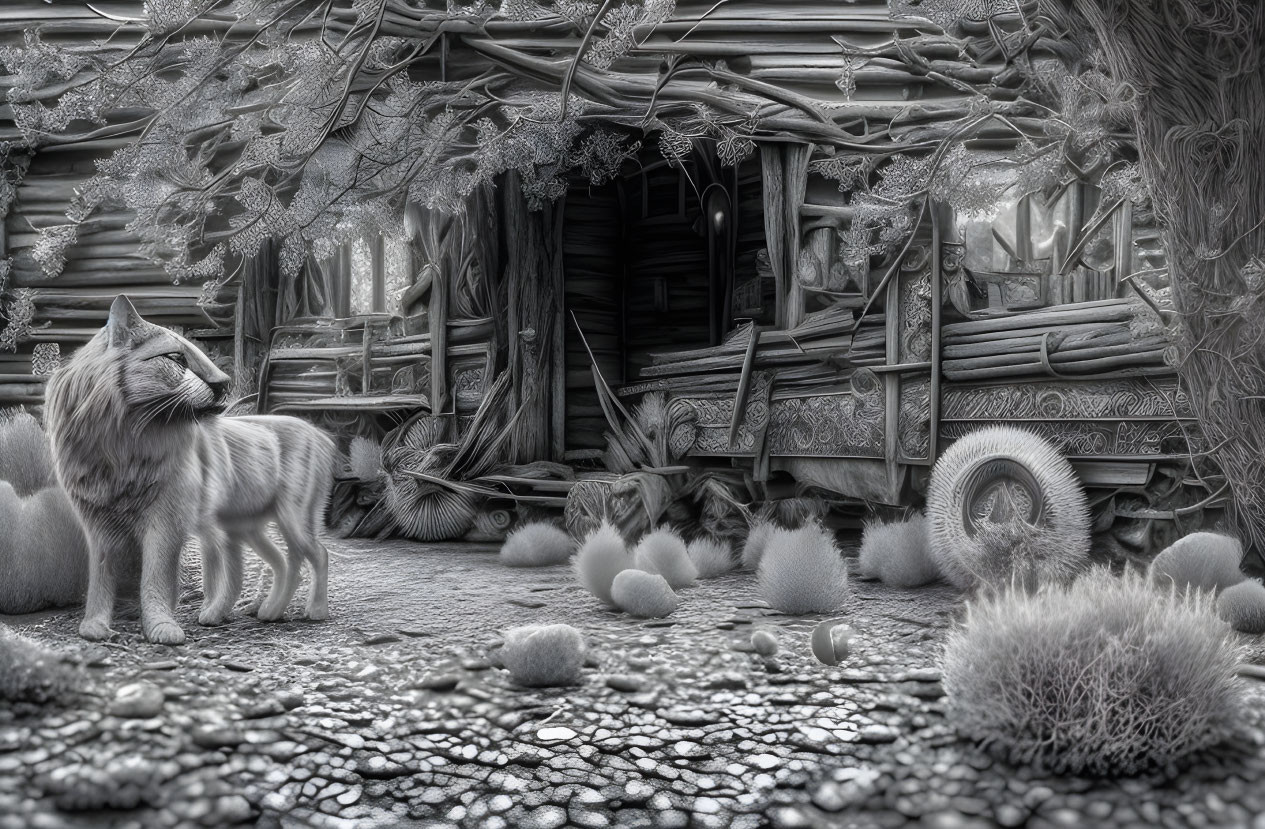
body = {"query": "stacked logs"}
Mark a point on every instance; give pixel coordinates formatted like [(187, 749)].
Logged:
[(1084, 339)]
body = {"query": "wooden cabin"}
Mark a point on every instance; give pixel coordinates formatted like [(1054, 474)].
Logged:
[(715, 277)]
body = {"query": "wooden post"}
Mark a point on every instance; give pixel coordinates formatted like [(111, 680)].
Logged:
[(773, 175), (557, 399), (377, 252), (796, 182), (437, 320)]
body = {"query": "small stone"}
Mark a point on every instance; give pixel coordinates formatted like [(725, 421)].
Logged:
[(553, 734), (239, 667), (831, 641), (216, 736), (625, 683), (1010, 815), (137, 700), (162, 665), (439, 682), (764, 642), (381, 639), (876, 734)]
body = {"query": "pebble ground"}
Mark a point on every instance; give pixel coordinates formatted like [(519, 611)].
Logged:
[(395, 714)]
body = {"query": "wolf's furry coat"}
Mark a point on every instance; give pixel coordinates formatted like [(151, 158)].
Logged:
[(138, 444)]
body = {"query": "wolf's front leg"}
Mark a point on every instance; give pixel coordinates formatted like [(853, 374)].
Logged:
[(103, 551), (160, 583)]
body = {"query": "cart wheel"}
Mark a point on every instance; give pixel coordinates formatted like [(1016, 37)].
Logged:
[(1002, 475)]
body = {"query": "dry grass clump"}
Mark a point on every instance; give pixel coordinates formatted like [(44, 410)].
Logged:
[(364, 457), (757, 539), (542, 655), (30, 672), (1243, 606), (1199, 561), (802, 571), (25, 459), (712, 556), (537, 544), (1107, 676), (1015, 554), (647, 595), (898, 553), (663, 551), (602, 556)]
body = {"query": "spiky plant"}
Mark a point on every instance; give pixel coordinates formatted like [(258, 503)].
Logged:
[(602, 556), (25, 460), (1106, 676), (802, 571), (537, 544), (758, 534), (712, 556), (897, 553), (663, 551)]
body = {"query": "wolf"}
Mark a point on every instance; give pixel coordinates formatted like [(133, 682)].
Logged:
[(140, 446)]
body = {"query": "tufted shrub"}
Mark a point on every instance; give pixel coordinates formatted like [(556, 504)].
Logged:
[(537, 544), (802, 571), (663, 551), (1106, 676), (897, 553), (602, 556)]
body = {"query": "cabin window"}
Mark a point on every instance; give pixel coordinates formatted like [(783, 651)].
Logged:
[(1017, 258), (379, 274)]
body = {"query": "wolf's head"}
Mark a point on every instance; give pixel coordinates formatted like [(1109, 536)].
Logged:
[(162, 376)]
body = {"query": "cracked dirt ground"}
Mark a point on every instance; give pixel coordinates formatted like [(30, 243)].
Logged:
[(393, 714)]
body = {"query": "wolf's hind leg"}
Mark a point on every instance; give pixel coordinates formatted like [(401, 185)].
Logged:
[(273, 607), (222, 555)]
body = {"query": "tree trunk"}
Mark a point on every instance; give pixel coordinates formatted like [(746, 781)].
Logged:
[(1198, 67)]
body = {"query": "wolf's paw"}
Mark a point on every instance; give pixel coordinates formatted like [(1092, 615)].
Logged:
[(210, 617), (165, 633), (317, 613), (271, 612), (95, 629)]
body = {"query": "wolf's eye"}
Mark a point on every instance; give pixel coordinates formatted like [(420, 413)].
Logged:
[(177, 358)]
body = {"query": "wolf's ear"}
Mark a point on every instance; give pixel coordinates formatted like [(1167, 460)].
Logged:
[(124, 319)]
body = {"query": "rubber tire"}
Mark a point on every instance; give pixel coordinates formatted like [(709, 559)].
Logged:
[(1018, 453)]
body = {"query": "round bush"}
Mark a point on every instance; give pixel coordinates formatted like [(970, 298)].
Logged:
[(664, 552), (802, 571), (540, 655), (602, 556), (1199, 561), (1243, 606), (1107, 676), (1002, 491), (647, 595), (897, 553), (537, 544), (712, 556)]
